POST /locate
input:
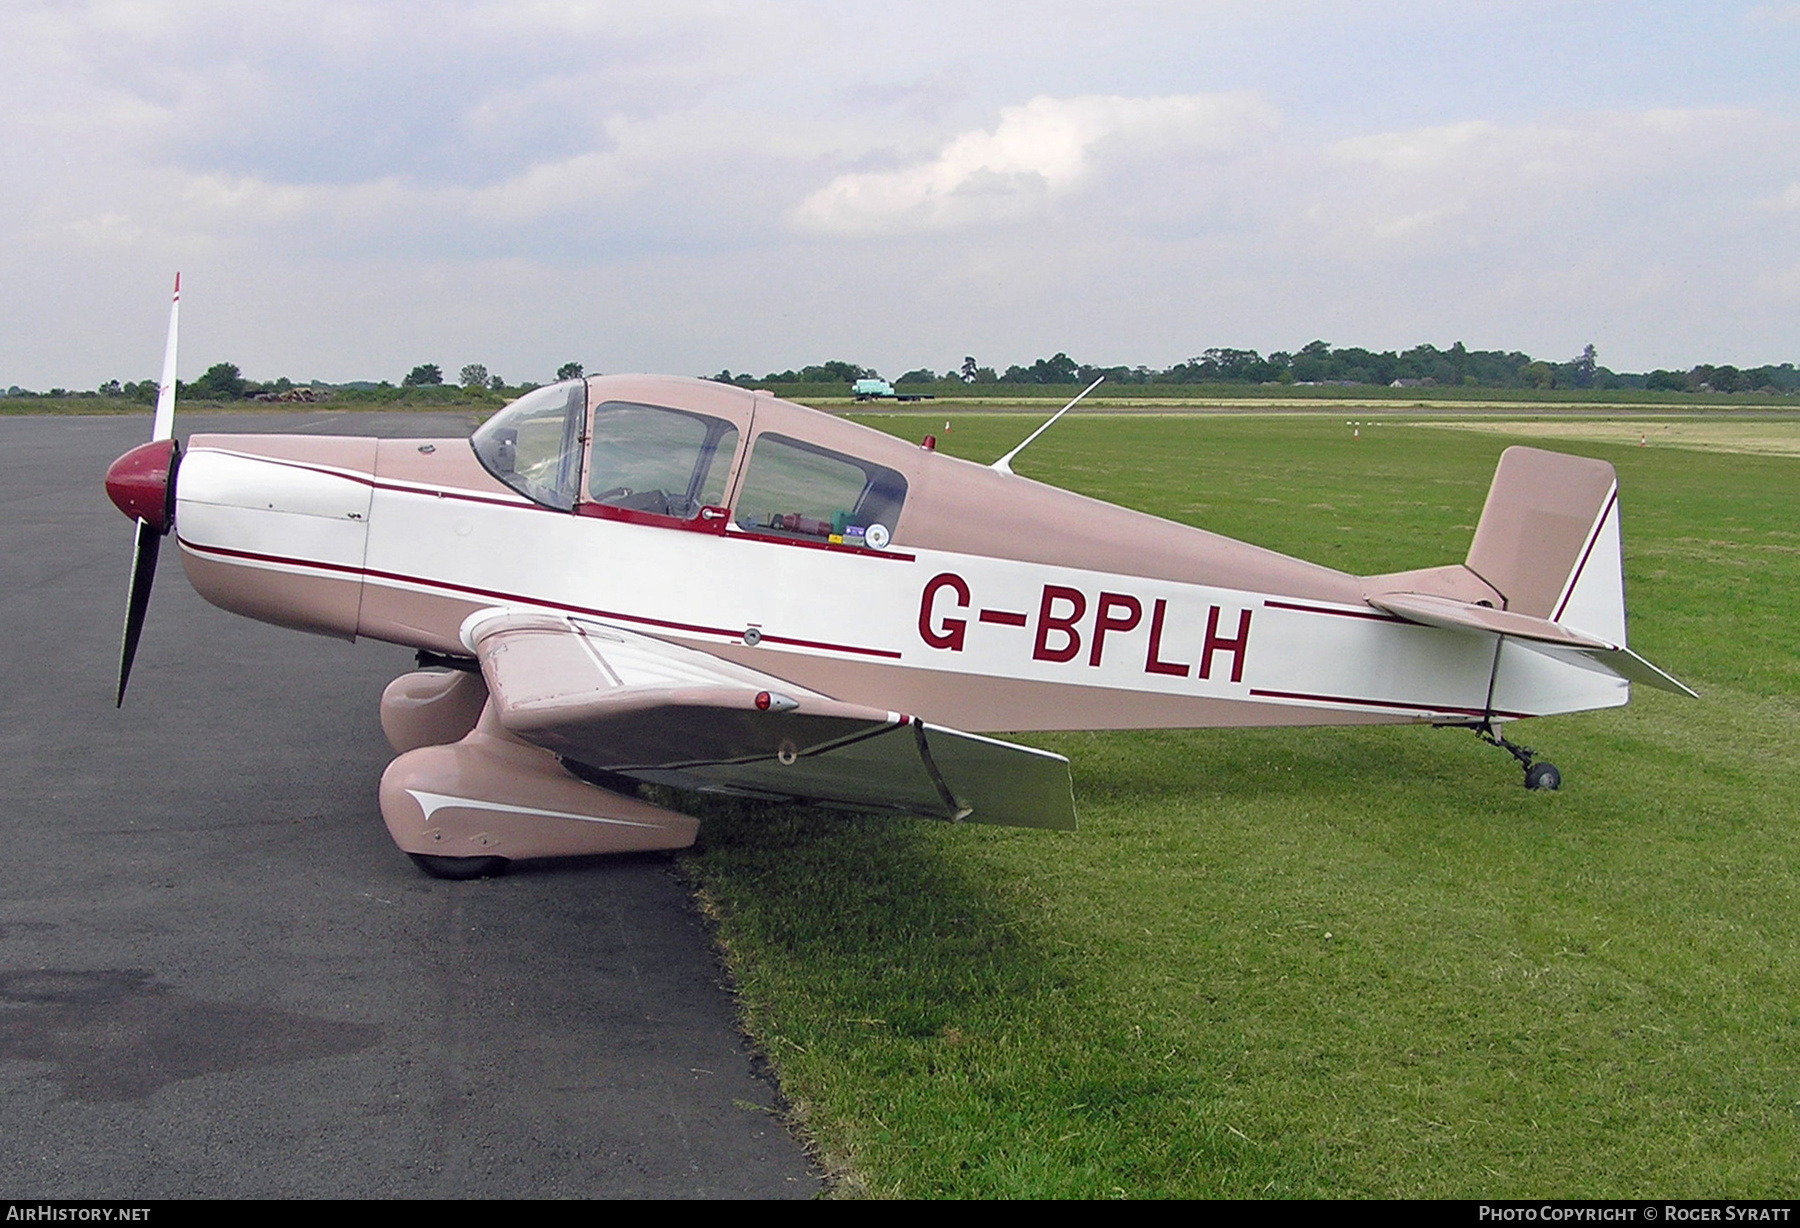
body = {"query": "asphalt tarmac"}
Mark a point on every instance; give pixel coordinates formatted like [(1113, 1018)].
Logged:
[(219, 978)]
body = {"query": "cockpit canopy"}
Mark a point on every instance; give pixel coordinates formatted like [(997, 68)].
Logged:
[(658, 464)]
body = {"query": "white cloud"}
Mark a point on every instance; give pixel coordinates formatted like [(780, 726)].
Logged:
[(1764, 16), (1467, 183), (1048, 147), (1783, 284), (1420, 149), (1785, 201), (115, 231), (573, 183)]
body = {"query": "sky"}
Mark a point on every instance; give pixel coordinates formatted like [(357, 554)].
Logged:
[(352, 188)]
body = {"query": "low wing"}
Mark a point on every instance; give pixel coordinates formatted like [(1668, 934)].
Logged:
[(628, 704), (1540, 634)]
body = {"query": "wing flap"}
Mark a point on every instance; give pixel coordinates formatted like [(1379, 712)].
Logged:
[(625, 703), (916, 768)]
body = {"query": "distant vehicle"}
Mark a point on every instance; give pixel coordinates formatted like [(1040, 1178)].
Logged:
[(881, 390)]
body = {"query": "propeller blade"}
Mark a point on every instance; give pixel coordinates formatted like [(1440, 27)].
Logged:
[(164, 426), (137, 601), (142, 483)]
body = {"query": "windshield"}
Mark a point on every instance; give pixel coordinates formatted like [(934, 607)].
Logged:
[(534, 444)]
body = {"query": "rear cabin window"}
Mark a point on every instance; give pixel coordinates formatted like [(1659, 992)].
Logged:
[(664, 462), (800, 490)]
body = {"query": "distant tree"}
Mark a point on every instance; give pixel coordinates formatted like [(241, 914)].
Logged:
[(1585, 366), (426, 373), (474, 375), (968, 370), (1313, 363), (837, 373), (1782, 378), (222, 382), (1538, 375), (569, 370), (819, 373), (495, 383), (1708, 378), (1060, 369), (1234, 366), (111, 388), (920, 376)]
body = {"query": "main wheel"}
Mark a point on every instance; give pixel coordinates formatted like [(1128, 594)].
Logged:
[(459, 868), (1543, 776)]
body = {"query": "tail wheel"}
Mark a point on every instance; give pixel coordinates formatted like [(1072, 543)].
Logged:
[(1543, 776)]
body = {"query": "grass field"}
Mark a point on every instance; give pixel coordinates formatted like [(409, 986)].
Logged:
[(1768, 437), (1336, 962)]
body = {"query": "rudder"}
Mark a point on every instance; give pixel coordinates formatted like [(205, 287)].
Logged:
[(1548, 540)]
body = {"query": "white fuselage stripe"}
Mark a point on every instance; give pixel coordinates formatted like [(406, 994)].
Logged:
[(431, 803)]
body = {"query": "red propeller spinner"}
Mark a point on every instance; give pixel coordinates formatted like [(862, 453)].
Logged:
[(141, 483)]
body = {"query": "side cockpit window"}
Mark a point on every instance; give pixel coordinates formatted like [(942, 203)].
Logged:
[(534, 444), (661, 462), (795, 489)]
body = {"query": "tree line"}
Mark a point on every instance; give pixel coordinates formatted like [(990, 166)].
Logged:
[(225, 381), (1318, 363)]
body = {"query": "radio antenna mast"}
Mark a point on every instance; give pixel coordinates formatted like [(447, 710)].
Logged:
[(1004, 464)]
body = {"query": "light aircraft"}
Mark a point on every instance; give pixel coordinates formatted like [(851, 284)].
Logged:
[(635, 579)]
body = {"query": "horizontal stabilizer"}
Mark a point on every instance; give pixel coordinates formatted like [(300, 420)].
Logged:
[(1623, 663), (1563, 643), (1461, 616)]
